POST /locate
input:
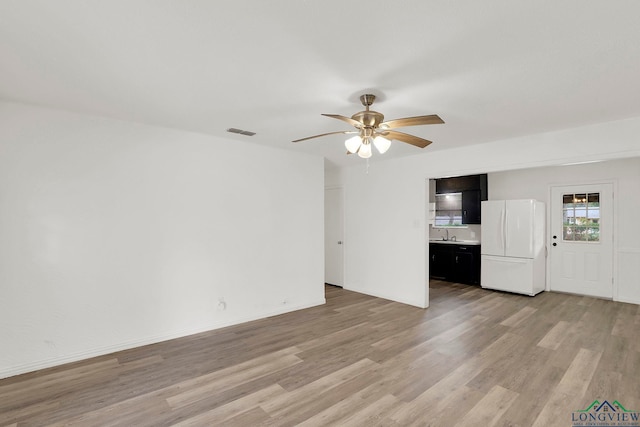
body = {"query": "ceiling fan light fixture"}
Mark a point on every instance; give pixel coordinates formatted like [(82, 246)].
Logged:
[(373, 129), (382, 144), (352, 144), (365, 151)]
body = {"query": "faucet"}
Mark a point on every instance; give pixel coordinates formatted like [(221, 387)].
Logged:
[(446, 231)]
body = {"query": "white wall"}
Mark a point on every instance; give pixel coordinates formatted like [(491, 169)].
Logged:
[(535, 183), (114, 234), (385, 234), (385, 212)]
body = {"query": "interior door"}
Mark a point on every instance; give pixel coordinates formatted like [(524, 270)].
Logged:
[(333, 236), (581, 241)]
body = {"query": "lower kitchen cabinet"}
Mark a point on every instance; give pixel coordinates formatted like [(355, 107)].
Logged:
[(455, 263), (441, 264), (466, 266)]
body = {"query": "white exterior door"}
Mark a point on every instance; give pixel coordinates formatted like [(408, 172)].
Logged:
[(333, 236), (581, 241)]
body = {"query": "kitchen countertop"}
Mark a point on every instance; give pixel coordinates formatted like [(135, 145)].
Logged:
[(455, 242)]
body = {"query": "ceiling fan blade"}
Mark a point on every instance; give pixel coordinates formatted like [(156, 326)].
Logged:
[(405, 137), (432, 119), (345, 119), (325, 134)]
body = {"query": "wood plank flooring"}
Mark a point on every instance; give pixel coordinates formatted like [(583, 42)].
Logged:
[(474, 358)]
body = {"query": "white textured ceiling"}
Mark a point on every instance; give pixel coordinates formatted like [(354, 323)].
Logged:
[(492, 69)]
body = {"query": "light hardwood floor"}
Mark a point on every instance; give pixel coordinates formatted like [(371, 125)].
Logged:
[(474, 358)]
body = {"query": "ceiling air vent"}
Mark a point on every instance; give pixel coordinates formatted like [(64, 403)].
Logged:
[(241, 132)]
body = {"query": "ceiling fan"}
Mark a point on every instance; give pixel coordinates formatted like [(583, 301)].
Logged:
[(372, 130)]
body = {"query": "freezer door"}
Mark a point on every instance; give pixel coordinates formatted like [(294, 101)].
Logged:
[(493, 232), (507, 274), (519, 228)]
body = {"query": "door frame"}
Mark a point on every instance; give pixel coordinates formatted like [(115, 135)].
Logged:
[(614, 229)]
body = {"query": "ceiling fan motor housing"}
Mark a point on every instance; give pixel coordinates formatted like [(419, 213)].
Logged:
[(369, 118)]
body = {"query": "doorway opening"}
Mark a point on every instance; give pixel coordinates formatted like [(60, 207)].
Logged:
[(334, 236)]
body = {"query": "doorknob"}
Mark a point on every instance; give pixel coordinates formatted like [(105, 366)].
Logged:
[(339, 242)]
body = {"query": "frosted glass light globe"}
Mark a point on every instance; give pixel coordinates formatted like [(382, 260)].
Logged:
[(352, 144), (365, 151), (382, 144)]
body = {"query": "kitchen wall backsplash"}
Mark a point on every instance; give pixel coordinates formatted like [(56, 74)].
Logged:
[(471, 232)]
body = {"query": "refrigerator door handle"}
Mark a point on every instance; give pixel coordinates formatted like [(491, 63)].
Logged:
[(506, 232), (502, 229)]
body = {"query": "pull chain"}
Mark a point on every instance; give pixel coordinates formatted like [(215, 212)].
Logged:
[(367, 166)]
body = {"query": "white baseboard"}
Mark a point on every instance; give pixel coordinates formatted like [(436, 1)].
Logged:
[(101, 351), (385, 296), (628, 300)]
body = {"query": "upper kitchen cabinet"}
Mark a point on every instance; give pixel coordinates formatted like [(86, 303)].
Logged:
[(472, 190), (459, 184), (471, 206)]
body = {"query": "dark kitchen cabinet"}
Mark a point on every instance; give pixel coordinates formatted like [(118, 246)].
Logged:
[(455, 263), (460, 184), (472, 190), (467, 264), (441, 261), (471, 207)]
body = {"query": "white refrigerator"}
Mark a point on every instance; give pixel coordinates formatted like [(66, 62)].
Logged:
[(513, 254)]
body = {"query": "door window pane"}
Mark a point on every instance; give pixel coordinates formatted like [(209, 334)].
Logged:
[(581, 217)]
